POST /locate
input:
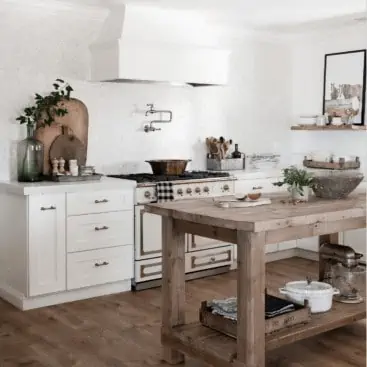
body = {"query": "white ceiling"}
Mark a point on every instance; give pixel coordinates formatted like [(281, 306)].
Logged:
[(255, 13)]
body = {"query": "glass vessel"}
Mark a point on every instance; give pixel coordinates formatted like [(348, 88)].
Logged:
[(351, 282), (30, 158)]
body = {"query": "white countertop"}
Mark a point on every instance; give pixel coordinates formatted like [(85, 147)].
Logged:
[(46, 187)]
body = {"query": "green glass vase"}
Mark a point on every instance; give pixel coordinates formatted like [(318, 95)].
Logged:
[(30, 158)]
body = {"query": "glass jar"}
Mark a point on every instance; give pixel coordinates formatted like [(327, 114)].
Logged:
[(30, 158)]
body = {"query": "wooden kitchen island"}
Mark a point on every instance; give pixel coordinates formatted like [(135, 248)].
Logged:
[(251, 229)]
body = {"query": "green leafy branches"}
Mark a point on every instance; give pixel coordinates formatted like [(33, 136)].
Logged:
[(295, 179), (45, 108)]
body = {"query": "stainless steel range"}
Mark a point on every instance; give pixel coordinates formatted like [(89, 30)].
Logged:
[(203, 256)]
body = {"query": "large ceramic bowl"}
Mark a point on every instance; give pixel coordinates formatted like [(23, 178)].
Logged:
[(336, 184)]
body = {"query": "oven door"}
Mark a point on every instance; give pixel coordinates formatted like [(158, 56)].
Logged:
[(148, 234)]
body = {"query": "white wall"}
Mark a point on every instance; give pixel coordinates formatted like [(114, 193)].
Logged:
[(41, 43), (307, 91)]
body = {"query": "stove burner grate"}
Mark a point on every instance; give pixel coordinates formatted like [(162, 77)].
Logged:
[(189, 175)]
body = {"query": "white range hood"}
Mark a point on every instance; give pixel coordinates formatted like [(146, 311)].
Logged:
[(145, 44)]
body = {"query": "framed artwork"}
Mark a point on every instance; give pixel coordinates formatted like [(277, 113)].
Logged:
[(345, 86)]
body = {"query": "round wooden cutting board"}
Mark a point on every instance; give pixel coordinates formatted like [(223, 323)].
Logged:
[(68, 146)]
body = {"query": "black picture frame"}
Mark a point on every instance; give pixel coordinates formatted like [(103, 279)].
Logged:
[(338, 105)]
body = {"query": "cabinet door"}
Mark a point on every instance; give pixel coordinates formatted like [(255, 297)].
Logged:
[(46, 244), (148, 234), (287, 245), (357, 241)]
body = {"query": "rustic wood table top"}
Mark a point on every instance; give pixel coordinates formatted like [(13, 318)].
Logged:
[(281, 213)]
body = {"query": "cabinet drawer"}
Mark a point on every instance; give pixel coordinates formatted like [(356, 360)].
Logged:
[(148, 269), (99, 201), (207, 259), (85, 269), (246, 186), (94, 231)]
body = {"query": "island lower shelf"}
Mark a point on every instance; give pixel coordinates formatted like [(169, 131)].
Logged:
[(200, 341)]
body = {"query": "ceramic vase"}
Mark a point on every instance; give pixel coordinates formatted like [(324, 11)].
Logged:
[(298, 196)]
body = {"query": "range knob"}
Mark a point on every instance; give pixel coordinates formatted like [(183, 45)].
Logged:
[(188, 190), (206, 189), (198, 190), (225, 188), (147, 194), (179, 192)]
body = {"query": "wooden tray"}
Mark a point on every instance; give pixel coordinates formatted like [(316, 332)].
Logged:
[(95, 177), (234, 203), (302, 315), (340, 165)]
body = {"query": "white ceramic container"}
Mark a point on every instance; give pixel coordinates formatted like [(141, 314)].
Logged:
[(319, 294), (297, 196)]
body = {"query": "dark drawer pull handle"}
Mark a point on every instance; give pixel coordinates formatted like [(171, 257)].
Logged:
[(101, 228), (48, 208), (105, 263), (101, 201)]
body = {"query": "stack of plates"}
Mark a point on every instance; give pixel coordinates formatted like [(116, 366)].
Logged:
[(307, 120)]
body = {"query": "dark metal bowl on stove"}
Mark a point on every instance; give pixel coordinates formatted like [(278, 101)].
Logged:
[(168, 166)]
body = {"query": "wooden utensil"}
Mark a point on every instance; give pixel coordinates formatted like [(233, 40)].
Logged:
[(76, 119), (68, 146)]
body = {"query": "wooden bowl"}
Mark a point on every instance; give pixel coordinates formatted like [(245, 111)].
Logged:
[(254, 196)]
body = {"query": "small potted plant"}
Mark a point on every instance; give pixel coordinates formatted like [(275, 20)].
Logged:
[(298, 180), (41, 113)]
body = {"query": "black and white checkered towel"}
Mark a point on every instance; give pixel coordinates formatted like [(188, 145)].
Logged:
[(165, 191)]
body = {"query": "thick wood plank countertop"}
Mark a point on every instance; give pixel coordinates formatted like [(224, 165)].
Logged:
[(278, 215)]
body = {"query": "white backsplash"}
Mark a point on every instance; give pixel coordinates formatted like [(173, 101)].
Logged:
[(268, 85), (42, 50)]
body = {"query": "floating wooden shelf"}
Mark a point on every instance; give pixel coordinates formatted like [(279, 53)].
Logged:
[(330, 127), (200, 341)]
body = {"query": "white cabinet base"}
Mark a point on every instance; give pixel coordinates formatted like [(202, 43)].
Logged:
[(18, 300)]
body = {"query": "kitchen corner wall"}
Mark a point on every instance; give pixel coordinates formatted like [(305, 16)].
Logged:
[(308, 53), (39, 43)]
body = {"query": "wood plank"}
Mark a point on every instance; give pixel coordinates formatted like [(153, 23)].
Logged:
[(251, 299), (280, 214), (173, 284), (124, 329), (216, 233), (198, 340), (314, 229), (340, 315), (275, 236), (329, 128), (201, 342)]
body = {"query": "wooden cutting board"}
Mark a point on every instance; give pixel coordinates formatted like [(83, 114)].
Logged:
[(68, 146), (76, 119), (233, 203)]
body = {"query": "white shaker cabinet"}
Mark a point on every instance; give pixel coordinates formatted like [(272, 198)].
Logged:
[(46, 244), (65, 242)]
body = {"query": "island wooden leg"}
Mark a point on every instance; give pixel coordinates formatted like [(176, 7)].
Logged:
[(331, 238), (251, 300), (173, 285)]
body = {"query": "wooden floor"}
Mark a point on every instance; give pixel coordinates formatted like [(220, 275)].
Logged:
[(123, 330)]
